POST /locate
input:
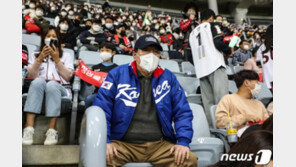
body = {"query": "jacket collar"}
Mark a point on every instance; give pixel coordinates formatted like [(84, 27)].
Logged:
[(156, 73)]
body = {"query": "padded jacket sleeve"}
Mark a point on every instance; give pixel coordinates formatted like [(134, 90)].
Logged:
[(184, 26), (105, 99), (182, 114), (83, 36)]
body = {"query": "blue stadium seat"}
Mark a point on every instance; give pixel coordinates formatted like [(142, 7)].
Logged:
[(122, 59), (171, 65), (90, 58), (265, 94), (31, 39)]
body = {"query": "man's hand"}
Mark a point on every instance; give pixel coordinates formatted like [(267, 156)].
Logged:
[(90, 38), (110, 152), (180, 152)]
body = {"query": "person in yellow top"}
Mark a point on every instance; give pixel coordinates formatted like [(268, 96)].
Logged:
[(244, 110)]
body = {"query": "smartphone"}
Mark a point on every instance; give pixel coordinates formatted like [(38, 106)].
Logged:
[(54, 43)]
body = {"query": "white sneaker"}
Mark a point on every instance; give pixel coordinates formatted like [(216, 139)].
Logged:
[(28, 135), (51, 137)]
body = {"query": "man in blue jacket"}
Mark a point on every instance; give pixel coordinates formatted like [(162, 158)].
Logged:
[(141, 100)]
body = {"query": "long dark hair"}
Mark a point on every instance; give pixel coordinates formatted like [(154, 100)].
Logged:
[(58, 36), (249, 144), (268, 39)]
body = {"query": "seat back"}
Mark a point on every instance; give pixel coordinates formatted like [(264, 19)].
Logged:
[(31, 39), (229, 70), (265, 94), (232, 87), (213, 114), (70, 51), (189, 84), (187, 68), (90, 58), (238, 69), (164, 47), (120, 59), (171, 65), (199, 123), (51, 20), (31, 48)]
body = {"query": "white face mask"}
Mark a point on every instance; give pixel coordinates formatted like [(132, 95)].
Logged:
[(162, 31), (67, 8), (53, 8), (256, 90), (105, 56), (96, 28), (156, 27), (71, 13), (63, 14), (246, 47), (103, 22), (47, 41), (39, 13), (176, 36), (109, 25), (162, 21), (149, 62), (64, 27), (134, 24), (32, 6), (23, 7)]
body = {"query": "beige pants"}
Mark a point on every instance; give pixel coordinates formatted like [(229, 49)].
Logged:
[(157, 153)]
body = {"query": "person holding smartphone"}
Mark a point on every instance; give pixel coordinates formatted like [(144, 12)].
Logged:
[(51, 71)]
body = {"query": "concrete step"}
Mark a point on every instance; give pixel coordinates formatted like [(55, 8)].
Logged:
[(41, 126), (37, 155)]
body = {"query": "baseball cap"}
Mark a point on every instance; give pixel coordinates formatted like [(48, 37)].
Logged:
[(147, 40)]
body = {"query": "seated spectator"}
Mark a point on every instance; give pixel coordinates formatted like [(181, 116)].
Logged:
[(92, 38), (53, 11), (42, 23), (31, 11), (68, 39), (123, 45), (135, 115), (51, 71), (107, 51), (242, 54), (242, 109), (62, 15), (166, 37), (249, 144), (251, 64), (109, 28)]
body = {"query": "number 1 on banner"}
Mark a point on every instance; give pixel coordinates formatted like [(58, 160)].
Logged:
[(200, 48)]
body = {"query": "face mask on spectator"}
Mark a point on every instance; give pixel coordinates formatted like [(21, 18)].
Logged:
[(100, 11), (131, 18), (23, 7), (39, 13), (246, 47), (47, 41), (162, 21), (64, 27), (119, 20), (140, 17), (256, 90), (162, 31), (123, 17), (134, 23), (68, 8), (156, 27), (149, 62), (103, 21), (32, 6), (105, 56), (63, 14), (154, 21), (71, 13), (96, 28), (52, 8), (109, 25)]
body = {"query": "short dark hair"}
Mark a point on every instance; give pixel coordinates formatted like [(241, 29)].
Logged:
[(108, 45), (241, 76), (242, 41), (206, 14), (218, 16), (40, 7)]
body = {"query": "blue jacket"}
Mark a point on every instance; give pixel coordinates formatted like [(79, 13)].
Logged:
[(119, 93)]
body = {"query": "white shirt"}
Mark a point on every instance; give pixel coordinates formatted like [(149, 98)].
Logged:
[(48, 68), (267, 65), (206, 57)]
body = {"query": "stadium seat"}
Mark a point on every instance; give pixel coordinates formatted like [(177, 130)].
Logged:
[(164, 47), (72, 53), (265, 94), (122, 59), (232, 87), (208, 149), (31, 49), (31, 39), (229, 70), (170, 65), (166, 54), (238, 69), (189, 84), (51, 20), (90, 58), (187, 68)]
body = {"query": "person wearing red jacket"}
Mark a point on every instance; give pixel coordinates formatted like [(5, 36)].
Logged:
[(187, 25), (166, 37)]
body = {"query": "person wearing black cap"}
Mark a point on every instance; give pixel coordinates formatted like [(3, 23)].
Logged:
[(123, 44), (140, 101), (92, 38)]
